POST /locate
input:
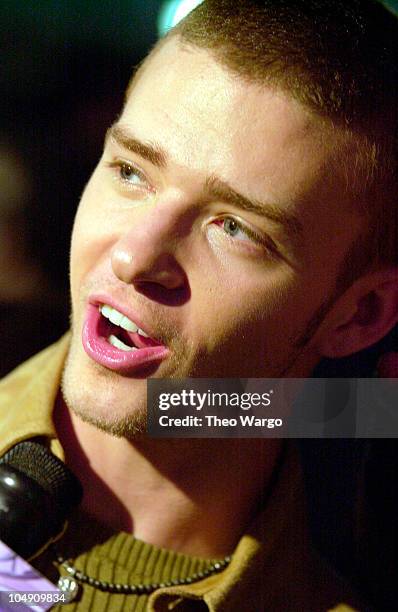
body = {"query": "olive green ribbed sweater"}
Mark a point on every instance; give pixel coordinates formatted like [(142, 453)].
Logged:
[(123, 559)]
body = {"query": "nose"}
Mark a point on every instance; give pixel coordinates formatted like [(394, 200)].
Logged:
[(145, 253)]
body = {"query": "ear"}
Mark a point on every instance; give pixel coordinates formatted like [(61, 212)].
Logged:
[(363, 315)]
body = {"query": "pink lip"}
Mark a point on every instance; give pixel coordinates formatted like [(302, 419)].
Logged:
[(100, 298), (99, 349)]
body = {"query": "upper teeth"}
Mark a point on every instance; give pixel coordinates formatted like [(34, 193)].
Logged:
[(117, 318)]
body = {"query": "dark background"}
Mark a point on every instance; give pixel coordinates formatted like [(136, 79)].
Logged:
[(64, 67)]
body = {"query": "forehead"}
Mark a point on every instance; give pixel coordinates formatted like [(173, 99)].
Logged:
[(212, 120)]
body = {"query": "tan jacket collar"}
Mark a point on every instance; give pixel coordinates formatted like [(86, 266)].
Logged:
[(27, 398)]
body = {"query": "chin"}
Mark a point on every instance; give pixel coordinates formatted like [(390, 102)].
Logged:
[(112, 403), (130, 426)]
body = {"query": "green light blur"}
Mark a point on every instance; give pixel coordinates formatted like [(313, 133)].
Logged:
[(172, 12)]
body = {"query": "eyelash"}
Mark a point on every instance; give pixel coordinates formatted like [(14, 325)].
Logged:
[(121, 165), (265, 243)]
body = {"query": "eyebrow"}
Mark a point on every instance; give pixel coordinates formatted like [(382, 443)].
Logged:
[(214, 186), (152, 152)]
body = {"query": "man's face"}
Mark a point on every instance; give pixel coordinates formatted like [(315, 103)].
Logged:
[(211, 223)]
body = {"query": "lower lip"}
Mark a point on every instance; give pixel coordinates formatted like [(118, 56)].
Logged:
[(98, 348)]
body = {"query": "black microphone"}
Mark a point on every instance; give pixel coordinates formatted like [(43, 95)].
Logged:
[(37, 494)]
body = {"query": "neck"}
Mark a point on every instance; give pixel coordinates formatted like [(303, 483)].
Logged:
[(189, 495)]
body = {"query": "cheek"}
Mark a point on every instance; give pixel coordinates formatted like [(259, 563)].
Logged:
[(246, 332), (91, 242), (241, 309)]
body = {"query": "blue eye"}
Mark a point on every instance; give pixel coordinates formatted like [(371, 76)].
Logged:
[(234, 228), (231, 226), (127, 174), (245, 237)]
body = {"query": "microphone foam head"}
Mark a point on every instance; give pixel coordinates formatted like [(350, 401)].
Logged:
[(49, 472)]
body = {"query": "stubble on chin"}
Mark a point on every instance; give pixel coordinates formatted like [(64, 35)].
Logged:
[(91, 400)]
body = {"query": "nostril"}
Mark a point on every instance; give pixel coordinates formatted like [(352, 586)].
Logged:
[(169, 279), (162, 295)]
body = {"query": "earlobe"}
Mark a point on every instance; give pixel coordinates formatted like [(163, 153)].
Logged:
[(366, 312)]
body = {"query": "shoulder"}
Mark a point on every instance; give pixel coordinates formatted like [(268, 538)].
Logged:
[(15, 383), (27, 396)]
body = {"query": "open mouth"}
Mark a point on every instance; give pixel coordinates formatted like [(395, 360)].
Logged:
[(113, 340), (121, 332)]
